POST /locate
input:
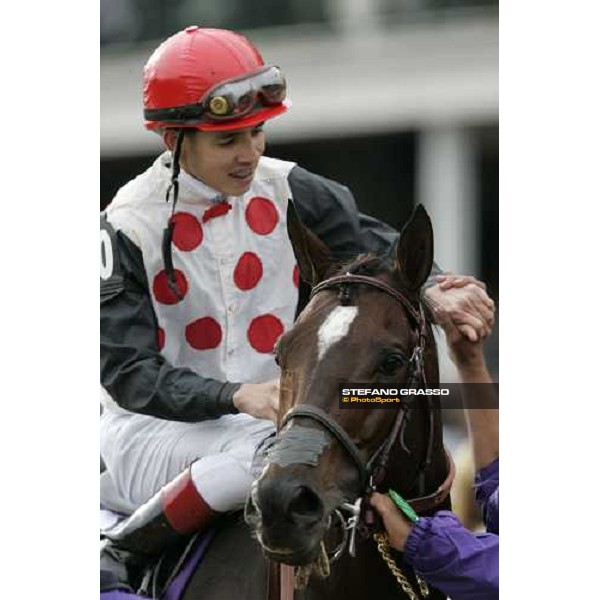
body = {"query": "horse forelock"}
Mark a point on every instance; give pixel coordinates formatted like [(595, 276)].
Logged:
[(382, 267), (369, 265)]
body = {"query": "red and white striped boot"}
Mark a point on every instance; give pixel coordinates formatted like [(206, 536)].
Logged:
[(177, 510)]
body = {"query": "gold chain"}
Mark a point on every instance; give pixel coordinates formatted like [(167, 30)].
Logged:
[(422, 585), (383, 545)]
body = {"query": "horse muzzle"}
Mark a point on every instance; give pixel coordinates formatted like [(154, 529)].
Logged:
[(288, 517)]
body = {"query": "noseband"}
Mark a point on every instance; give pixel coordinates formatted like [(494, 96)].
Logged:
[(372, 472)]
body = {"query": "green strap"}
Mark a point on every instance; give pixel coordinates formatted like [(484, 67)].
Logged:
[(404, 506)]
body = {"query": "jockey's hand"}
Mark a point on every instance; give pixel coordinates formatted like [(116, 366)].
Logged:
[(260, 400), (397, 526), (463, 300)]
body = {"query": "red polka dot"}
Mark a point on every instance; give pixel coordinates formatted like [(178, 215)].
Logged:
[(161, 338), (162, 291), (261, 215), (263, 332), (296, 276), (203, 334), (187, 233), (248, 271)]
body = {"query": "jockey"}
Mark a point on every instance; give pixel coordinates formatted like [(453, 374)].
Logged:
[(199, 280)]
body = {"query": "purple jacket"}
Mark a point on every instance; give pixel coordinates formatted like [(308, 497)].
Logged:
[(460, 563)]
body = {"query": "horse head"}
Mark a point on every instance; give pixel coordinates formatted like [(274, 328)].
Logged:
[(364, 323)]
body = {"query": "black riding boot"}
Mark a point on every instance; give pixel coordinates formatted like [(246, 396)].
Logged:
[(176, 511)]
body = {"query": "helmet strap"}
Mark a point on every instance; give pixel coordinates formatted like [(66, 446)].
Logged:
[(167, 243)]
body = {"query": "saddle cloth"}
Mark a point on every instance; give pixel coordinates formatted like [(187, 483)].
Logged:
[(181, 562)]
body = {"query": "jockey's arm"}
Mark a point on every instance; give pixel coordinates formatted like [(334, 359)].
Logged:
[(329, 210), (132, 369)]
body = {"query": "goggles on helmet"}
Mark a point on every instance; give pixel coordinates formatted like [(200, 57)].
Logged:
[(228, 101)]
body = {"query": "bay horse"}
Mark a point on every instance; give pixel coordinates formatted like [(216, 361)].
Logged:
[(364, 323)]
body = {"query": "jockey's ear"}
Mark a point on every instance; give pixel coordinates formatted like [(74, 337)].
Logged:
[(414, 254), (312, 255), (169, 137)]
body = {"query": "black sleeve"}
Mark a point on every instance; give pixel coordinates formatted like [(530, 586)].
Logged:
[(329, 210), (132, 370)]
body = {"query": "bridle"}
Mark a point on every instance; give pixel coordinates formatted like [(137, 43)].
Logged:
[(372, 473)]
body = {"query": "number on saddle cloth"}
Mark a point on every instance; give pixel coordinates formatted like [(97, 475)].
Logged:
[(111, 277)]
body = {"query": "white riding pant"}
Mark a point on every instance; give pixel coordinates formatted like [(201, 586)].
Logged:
[(142, 454)]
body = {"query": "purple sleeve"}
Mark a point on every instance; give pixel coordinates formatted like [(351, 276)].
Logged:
[(487, 482), (462, 564)]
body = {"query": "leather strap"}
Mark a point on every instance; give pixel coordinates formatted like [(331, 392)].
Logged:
[(316, 414), (287, 582), (432, 501), (273, 580), (334, 282), (377, 464)]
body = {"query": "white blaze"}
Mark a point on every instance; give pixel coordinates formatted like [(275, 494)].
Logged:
[(335, 327)]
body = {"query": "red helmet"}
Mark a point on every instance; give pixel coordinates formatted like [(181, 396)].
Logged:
[(212, 80)]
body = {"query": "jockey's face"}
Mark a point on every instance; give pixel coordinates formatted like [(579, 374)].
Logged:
[(224, 160)]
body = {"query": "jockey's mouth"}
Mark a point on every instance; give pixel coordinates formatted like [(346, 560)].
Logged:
[(243, 176)]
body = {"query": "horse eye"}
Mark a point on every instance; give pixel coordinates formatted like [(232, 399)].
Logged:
[(391, 364)]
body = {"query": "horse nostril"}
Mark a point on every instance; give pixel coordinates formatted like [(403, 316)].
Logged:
[(305, 505)]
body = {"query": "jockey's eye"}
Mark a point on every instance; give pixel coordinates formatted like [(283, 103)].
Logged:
[(391, 364)]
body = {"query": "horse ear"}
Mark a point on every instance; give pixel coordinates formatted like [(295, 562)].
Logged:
[(414, 254), (312, 255)]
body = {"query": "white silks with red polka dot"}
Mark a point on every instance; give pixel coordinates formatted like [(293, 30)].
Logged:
[(234, 267)]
